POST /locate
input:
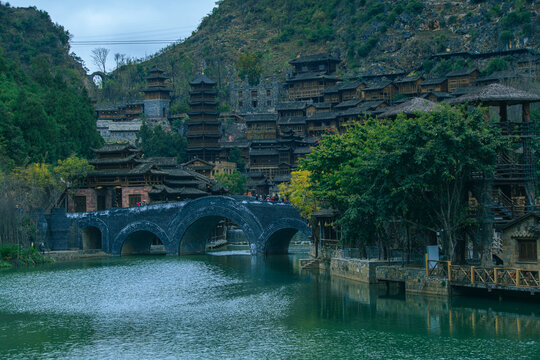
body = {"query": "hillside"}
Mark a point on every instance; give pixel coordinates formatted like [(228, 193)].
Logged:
[(44, 106), (372, 37)]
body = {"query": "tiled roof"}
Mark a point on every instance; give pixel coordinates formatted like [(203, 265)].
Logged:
[(496, 93), (410, 107), (297, 120), (291, 105), (202, 79), (378, 86), (461, 72), (118, 147), (434, 81), (348, 104), (315, 58), (260, 118)]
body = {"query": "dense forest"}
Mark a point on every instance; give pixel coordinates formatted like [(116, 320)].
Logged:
[(372, 37), (44, 106)]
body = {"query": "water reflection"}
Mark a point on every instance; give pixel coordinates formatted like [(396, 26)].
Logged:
[(359, 304), (239, 306)]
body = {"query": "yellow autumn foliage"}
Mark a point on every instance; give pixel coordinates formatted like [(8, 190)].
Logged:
[(298, 192)]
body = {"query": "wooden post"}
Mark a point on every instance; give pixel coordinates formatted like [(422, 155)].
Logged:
[(517, 277), (472, 274), (525, 112), (449, 264), (495, 276), (427, 265)]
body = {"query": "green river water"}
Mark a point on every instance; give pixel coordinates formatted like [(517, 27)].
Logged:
[(234, 306)]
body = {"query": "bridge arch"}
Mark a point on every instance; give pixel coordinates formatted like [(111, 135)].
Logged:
[(135, 234), (93, 234), (100, 74), (191, 228), (277, 237)]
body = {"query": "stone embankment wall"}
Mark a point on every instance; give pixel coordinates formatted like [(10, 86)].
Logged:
[(415, 279), (356, 269)]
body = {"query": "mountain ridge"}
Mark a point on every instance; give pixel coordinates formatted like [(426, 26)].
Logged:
[(372, 37)]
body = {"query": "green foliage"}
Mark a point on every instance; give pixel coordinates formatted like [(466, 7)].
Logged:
[(515, 19), (365, 48), (179, 107), (443, 67), (161, 142), (497, 64), (29, 256), (46, 112), (506, 37), (441, 43), (412, 170), (235, 182), (72, 170), (414, 7), (280, 30), (235, 156), (224, 108), (249, 65)]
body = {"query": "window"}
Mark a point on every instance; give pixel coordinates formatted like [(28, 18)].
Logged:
[(240, 103), (240, 93), (254, 93), (268, 93), (269, 103), (134, 200), (254, 103), (527, 250), (80, 203)]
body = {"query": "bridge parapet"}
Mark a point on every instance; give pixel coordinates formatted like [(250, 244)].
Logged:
[(183, 227)]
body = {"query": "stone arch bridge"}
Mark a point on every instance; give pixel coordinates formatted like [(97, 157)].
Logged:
[(182, 227)]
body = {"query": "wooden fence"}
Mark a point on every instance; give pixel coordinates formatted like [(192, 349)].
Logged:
[(463, 274)]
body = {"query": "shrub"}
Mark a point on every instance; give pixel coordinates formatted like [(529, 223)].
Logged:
[(414, 7), (506, 36)]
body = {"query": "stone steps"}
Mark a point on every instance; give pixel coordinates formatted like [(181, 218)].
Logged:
[(309, 264)]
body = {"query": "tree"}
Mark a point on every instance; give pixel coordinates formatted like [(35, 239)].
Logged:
[(119, 59), (235, 156), (497, 64), (72, 171), (99, 57), (300, 193), (160, 142), (415, 171), (235, 182), (250, 65)]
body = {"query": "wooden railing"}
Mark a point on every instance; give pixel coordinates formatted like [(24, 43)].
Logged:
[(463, 274)]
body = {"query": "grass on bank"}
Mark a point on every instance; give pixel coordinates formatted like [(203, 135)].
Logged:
[(26, 256)]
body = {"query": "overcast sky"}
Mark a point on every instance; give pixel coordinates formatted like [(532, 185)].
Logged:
[(101, 20)]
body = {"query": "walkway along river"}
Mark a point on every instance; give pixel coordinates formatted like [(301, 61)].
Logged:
[(233, 305)]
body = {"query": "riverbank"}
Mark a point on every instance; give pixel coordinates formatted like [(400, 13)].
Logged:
[(69, 255), (13, 255), (463, 280)]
